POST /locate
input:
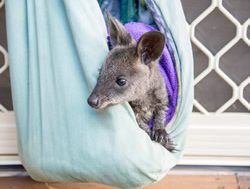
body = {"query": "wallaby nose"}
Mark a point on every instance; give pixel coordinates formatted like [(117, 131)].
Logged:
[(93, 101)]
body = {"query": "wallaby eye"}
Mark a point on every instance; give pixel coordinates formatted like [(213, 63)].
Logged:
[(121, 81)]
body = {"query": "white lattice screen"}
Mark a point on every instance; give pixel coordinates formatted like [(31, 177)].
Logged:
[(3, 55), (214, 59), (220, 33)]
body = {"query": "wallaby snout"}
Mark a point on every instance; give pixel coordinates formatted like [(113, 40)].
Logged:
[(94, 101)]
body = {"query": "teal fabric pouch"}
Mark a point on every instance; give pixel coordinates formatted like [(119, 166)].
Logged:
[(55, 50)]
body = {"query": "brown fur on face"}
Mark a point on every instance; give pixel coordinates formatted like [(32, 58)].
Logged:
[(121, 62), (130, 73)]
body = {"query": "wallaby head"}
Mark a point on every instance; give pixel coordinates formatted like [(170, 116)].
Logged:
[(127, 70)]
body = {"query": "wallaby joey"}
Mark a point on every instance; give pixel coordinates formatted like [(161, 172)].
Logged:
[(130, 74)]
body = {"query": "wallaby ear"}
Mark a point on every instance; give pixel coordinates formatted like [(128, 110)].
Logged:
[(118, 33), (150, 46)]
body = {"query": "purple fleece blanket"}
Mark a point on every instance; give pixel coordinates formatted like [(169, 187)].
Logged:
[(166, 67)]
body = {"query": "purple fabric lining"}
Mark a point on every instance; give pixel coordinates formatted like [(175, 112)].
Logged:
[(166, 67)]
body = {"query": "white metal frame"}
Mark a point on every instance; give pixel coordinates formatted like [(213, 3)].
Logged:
[(214, 138), (218, 140)]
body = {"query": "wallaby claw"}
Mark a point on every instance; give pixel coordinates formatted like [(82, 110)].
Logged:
[(158, 135), (148, 131), (162, 137), (169, 145)]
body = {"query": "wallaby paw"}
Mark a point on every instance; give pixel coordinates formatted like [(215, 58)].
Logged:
[(162, 137), (169, 144), (158, 135)]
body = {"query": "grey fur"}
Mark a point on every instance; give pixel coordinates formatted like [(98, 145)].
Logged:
[(137, 65)]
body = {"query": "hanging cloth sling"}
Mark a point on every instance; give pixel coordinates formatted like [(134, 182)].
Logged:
[(55, 51)]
